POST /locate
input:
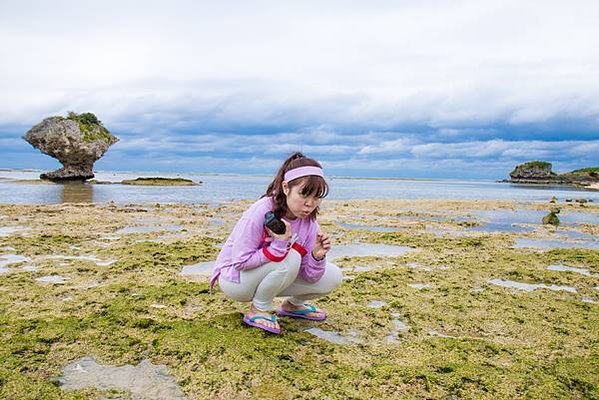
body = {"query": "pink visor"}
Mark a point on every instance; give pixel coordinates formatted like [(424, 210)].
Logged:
[(303, 171)]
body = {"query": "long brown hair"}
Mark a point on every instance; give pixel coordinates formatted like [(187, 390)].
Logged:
[(312, 185)]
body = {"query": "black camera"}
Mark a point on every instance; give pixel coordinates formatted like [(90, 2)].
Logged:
[(273, 223)]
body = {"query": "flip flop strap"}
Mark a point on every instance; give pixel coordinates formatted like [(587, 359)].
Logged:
[(311, 309), (273, 318)]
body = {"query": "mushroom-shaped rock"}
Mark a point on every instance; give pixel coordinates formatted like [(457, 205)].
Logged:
[(77, 141)]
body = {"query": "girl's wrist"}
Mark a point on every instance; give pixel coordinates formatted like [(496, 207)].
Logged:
[(317, 258)]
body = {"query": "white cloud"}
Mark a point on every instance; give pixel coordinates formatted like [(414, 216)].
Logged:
[(436, 62), (435, 84)]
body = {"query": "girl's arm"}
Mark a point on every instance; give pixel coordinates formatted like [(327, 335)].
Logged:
[(311, 270), (248, 251)]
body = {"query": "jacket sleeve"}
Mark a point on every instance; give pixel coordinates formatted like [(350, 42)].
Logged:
[(311, 270), (248, 249)]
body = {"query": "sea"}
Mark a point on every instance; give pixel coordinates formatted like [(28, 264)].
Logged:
[(219, 188)]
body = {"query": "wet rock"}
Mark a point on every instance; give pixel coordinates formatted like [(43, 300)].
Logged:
[(582, 201), (539, 172), (77, 141), (532, 170), (553, 200), (551, 218), (158, 181)]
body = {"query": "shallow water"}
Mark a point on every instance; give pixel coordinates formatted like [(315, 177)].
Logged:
[(505, 218), (555, 244), (419, 286), (201, 270), (523, 220), (575, 235), (53, 279), (367, 250), (530, 287), (144, 381), (8, 259), (398, 327), (565, 268), (217, 189), (377, 304), (9, 230), (334, 336)]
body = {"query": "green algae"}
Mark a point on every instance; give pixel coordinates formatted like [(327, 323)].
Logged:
[(503, 344), (91, 128), (159, 181)]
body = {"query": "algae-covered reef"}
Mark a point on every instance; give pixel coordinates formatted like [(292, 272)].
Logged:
[(431, 323), (159, 181)]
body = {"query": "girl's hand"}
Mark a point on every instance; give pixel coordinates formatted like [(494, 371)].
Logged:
[(284, 236), (322, 245)]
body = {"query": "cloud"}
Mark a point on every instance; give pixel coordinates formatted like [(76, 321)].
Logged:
[(371, 82)]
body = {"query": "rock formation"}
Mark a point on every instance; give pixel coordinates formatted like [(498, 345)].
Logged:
[(532, 170), (77, 141), (551, 218), (539, 172)]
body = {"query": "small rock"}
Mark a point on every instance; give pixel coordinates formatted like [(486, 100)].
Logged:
[(551, 219)]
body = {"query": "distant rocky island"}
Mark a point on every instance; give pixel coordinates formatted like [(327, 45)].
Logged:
[(540, 173)]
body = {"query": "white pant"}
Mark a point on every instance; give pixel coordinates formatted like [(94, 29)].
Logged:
[(261, 285)]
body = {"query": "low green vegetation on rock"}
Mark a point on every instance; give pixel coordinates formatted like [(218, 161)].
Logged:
[(551, 219), (91, 127), (586, 170), (157, 181), (537, 163), (539, 172)]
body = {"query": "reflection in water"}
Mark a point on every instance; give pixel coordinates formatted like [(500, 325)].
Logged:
[(76, 192)]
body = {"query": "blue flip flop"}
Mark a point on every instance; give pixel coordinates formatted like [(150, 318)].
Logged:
[(281, 312), (252, 322)]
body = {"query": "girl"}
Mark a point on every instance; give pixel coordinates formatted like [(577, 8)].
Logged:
[(257, 265)]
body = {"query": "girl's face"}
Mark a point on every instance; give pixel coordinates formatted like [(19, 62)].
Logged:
[(299, 204)]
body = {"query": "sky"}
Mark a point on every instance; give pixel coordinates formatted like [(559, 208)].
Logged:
[(427, 88)]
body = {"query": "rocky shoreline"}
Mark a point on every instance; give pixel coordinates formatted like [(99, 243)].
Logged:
[(540, 173)]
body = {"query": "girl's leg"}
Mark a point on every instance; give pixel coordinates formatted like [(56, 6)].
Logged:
[(300, 290), (283, 275), (261, 285)]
